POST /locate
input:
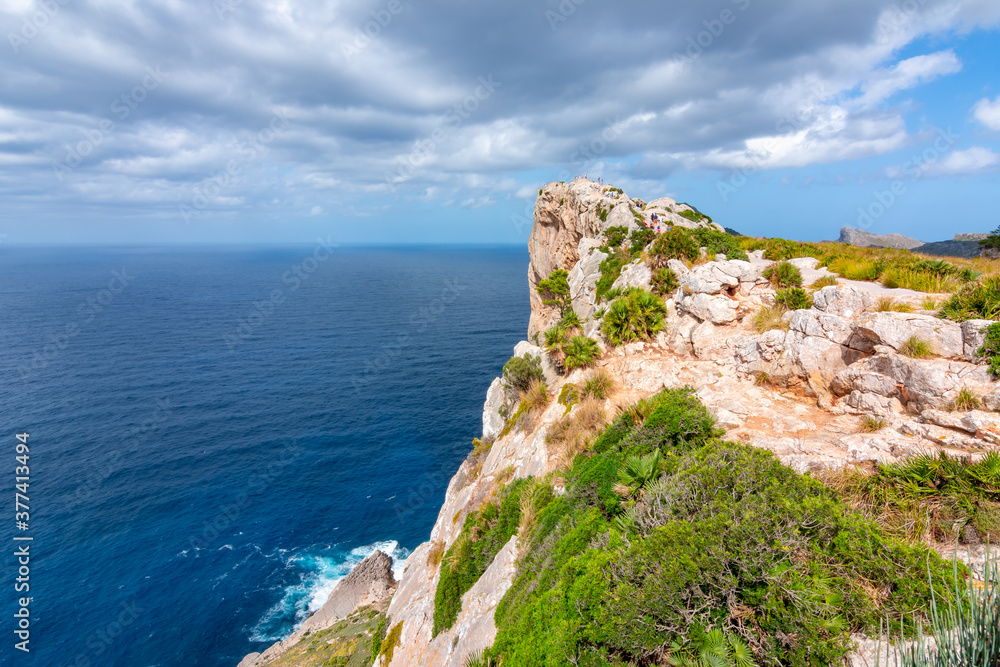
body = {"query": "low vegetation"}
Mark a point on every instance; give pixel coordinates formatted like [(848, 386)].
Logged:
[(928, 498), (966, 399), (783, 274), (916, 348), (581, 351), (716, 242), (870, 424), (978, 300), (823, 281), (664, 281), (670, 546), (793, 298), (989, 352), (678, 243), (768, 318), (599, 385), (888, 304), (634, 316), (518, 372)]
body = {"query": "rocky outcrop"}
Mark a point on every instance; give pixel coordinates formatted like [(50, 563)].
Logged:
[(370, 583), (861, 238)]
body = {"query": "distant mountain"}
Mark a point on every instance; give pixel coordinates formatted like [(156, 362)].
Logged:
[(963, 245), (863, 239)]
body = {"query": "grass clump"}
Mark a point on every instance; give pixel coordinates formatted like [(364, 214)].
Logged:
[(888, 304), (929, 303), (793, 298), (636, 315), (784, 274), (378, 634), (717, 550), (989, 352), (824, 281), (768, 318), (599, 385), (434, 553), (916, 348), (870, 424), (966, 399), (536, 396), (664, 281)]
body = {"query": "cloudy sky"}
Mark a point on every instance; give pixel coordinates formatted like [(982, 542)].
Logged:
[(135, 121)]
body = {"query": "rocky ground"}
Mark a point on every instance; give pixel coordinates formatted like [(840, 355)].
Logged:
[(801, 390)]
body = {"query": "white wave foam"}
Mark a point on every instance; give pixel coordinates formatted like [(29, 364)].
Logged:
[(320, 570)]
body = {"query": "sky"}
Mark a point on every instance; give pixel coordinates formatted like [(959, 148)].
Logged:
[(436, 121)]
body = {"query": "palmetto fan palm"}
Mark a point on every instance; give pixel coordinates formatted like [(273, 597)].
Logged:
[(638, 471), (716, 650), (636, 315), (581, 352)]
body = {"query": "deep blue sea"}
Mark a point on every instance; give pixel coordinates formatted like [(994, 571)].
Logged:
[(218, 434)]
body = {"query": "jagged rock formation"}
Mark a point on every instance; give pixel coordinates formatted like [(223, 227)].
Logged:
[(967, 248), (799, 390), (370, 583), (861, 238)]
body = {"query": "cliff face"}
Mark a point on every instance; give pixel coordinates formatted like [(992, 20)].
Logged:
[(823, 368)]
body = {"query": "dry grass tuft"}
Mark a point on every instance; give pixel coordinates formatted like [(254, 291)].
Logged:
[(888, 304), (768, 318), (599, 385), (574, 434), (435, 553)]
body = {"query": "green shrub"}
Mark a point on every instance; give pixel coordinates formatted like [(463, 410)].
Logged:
[(871, 424), (610, 269), (615, 236), (518, 372), (990, 350), (727, 549), (664, 281), (636, 315), (966, 399), (555, 290), (719, 242), (784, 274), (678, 243), (980, 300), (378, 635), (692, 215), (581, 351), (823, 281), (640, 238), (793, 298)]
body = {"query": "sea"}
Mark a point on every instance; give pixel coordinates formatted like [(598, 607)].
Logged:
[(216, 435)]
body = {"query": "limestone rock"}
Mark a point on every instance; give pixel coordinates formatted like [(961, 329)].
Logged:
[(845, 301), (893, 329), (824, 325), (371, 580), (492, 421), (715, 309), (973, 336), (634, 274), (583, 278), (807, 263), (677, 266), (855, 378)]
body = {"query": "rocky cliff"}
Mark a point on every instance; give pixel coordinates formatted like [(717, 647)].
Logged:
[(799, 389), (860, 237)]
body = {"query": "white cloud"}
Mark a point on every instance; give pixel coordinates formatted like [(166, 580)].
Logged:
[(906, 74), (973, 160), (987, 112), (316, 210)]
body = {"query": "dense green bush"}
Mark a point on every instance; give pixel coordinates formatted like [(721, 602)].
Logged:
[(693, 216), (640, 238), (636, 315), (784, 274), (719, 242), (664, 281), (610, 269), (518, 372), (728, 550), (678, 243), (991, 242), (990, 350), (793, 298), (615, 236)]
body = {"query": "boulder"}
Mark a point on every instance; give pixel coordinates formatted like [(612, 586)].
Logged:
[(708, 279), (492, 421), (817, 359), (973, 336), (824, 325), (715, 309), (634, 274), (371, 580), (845, 301), (893, 329), (857, 378), (677, 266), (804, 263)]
